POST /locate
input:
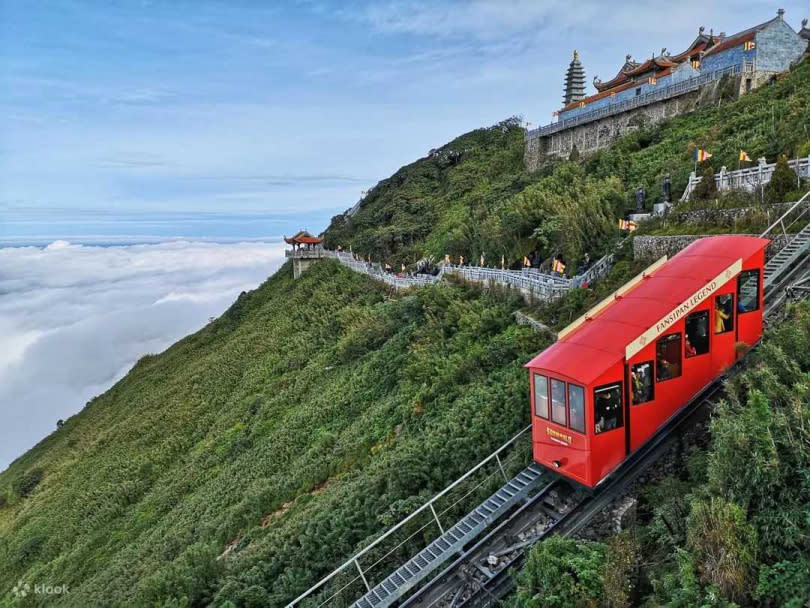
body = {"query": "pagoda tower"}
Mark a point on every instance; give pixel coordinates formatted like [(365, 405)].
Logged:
[(574, 81)]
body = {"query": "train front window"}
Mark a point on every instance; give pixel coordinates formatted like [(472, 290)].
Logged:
[(724, 313), (748, 290), (643, 386), (668, 357), (558, 401), (576, 407), (541, 396), (697, 334), (607, 408)]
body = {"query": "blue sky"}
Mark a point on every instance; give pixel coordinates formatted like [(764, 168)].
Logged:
[(251, 119)]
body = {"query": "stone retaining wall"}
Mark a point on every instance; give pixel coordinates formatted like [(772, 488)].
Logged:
[(593, 136), (725, 217), (653, 247)]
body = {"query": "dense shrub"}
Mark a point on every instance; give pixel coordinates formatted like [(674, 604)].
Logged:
[(25, 483), (559, 573), (706, 188), (783, 181)]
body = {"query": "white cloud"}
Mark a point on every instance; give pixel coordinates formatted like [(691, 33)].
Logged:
[(74, 319)]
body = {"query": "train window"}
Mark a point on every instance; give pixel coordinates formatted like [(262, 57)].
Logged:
[(643, 386), (558, 401), (541, 396), (607, 408), (576, 407), (668, 357), (724, 313), (697, 334), (748, 290)]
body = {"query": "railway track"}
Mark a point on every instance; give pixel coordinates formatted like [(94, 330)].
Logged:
[(481, 576), (480, 551)]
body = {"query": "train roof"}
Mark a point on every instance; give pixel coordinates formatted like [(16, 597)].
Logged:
[(601, 340)]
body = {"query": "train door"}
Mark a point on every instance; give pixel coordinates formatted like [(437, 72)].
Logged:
[(608, 446), (749, 306), (724, 329)]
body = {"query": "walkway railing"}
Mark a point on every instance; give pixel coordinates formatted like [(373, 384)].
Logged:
[(360, 576), (748, 179), (673, 90), (531, 281)]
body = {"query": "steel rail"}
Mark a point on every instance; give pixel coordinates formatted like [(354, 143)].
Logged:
[(584, 510)]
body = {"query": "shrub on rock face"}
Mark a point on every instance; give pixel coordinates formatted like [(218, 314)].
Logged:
[(724, 546), (3, 500), (25, 483)]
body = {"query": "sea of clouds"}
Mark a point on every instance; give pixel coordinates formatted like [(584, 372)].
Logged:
[(75, 318)]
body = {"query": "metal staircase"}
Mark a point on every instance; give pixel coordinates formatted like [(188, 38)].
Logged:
[(796, 246), (787, 256), (453, 540)]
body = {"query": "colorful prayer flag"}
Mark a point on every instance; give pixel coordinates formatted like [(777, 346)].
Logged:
[(701, 155), (558, 266), (744, 156)]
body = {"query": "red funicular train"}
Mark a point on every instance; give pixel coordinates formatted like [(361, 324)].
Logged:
[(619, 372)]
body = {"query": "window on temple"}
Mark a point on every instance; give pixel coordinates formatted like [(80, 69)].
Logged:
[(576, 407), (668, 357), (724, 313), (607, 408), (638, 91), (641, 375), (558, 401), (748, 291), (697, 334), (541, 396)]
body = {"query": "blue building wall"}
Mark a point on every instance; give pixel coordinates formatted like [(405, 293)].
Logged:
[(680, 73), (778, 46), (736, 55)]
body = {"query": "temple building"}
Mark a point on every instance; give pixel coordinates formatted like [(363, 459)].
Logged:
[(574, 82), (644, 92), (757, 53)]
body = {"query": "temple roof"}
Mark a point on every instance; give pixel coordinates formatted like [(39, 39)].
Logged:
[(302, 237), (741, 37)]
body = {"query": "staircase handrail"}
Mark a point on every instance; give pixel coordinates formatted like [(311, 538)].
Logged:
[(781, 220), (494, 456)]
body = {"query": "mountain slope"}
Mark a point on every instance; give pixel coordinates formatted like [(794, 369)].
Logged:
[(291, 423), (474, 196)]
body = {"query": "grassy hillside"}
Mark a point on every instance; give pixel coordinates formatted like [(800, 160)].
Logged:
[(315, 412), (474, 195), (292, 423)]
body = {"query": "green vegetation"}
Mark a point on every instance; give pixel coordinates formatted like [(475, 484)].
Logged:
[(474, 196), (299, 424), (733, 528), (252, 457)]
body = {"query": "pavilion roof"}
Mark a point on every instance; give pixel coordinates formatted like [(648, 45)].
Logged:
[(302, 237)]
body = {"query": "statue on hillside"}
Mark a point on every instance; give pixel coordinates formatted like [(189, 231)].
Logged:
[(666, 189), (641, 197)]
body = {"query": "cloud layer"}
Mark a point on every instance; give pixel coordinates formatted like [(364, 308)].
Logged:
[(74, 319)]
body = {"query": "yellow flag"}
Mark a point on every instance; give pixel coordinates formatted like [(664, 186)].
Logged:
[(744, 156)]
